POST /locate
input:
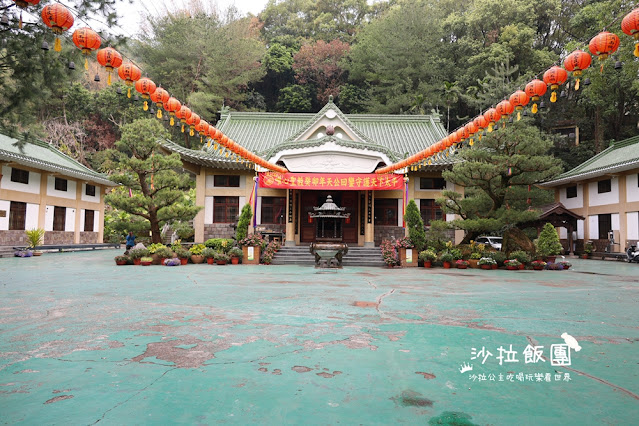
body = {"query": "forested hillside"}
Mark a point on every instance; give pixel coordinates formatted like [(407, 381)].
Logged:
[(453, 58)]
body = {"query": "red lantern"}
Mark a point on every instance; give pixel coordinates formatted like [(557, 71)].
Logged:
[(463, 133), (146, 87), (159, 97), (193, 121), (183, 114), (492, 116), (481, 122), (59, 19), (630, 26), (472, 129), (536, 89), (22, 4), (130, 74), (505, 108), (576, 62), (603, 44), (519, 99), (555, 76), (201, 128), (87, 40), (109, 58), (172, 106)]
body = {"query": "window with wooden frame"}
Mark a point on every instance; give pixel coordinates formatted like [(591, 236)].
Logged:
[(430, 211), (571, 191), (273, 210), (19, 176), (386, 211), (89, 217), (59, 218), (604, 186), (225, 209), (605, 225), (431, 183), (90, 190), (60, 184), (227, 181), (17, 216)]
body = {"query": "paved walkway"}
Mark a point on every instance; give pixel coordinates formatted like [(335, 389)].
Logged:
[(85, 341)]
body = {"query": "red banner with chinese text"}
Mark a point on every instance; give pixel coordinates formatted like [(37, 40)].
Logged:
[(338, 181)]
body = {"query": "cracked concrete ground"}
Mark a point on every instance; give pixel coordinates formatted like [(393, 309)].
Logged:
[(84, 341)]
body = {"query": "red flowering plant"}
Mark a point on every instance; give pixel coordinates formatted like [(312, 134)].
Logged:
[(389, 253), (405, 243)]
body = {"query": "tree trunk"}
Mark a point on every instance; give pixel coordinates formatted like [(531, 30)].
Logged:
[(156, 234)]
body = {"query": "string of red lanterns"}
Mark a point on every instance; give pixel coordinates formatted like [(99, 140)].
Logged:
[(601, 46)]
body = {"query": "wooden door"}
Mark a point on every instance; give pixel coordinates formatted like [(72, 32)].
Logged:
[(350, 201)]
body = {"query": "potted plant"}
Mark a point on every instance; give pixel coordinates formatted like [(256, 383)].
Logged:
[(196, 253), (251, 248), (236, 254), (521, 256), (146, 260), (548, 245), (182, 254), (588, 249), (407, 252), (565, 264), (153, 248), (221, 258), (447, 258), (122, 259), (174, 261), (427, 256), (538, 265), (267, 258), (137, 254), (487, 263), (461, 264), (512, 264), (163, 253), (474, 259), (389, 253), (499, 257), (36, 239), (555, 266), (209, 254), (23, 253)]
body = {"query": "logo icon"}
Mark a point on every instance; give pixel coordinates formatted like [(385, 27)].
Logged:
[(465, 367)]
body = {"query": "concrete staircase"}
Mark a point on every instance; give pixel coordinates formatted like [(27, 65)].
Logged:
[(6, 251), (356, 256)]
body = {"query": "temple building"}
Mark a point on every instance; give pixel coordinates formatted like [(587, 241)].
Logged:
[(40, 187), (328, 153)]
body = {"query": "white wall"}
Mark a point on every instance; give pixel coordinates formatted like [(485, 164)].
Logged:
[(5, 205), (70, 193), (258, 211), (632, 190), (33, 187), (48, 218), (580, 229), (400, 212), (69, 225), (96, 221), (573, 203), (593, 227), (208, 210), (614, 221), (612, 197), (632, 225), (33, 211), (89, 198), (563, 233)]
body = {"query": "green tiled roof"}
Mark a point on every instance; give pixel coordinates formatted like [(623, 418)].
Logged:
[(41, 155), (205, 157), (620, 156)]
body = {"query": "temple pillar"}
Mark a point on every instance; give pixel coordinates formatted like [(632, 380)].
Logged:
[(369, 227), (290, 220)]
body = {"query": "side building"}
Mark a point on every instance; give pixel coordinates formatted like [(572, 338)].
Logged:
[(605, 191), (328, 153), (40, 187)]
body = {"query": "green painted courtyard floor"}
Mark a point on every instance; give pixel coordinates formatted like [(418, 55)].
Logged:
[(85, 341)]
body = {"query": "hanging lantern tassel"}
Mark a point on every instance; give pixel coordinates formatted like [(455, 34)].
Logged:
[(191, 132), (159, 113), (201, 139), (128, 93), (208, 144), (109, 77), (553, 97), (182, 127), (577, 74), (57, 46), (20, 23), (636, 52), (172, 122), (490, 127)]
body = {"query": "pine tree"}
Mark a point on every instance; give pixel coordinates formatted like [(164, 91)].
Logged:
[(548, 243), (158, 191), (415, 225), (243, 222)]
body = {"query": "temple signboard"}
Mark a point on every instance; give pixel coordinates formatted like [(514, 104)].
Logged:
[(336, 181)]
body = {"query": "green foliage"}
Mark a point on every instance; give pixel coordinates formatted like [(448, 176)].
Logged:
[(415, 225), (138, 253), (35, 237), (437, 235), (243, 223), (295, 98), (197, 249), (219, 244), (164, 252), (235, 252), (446, 256), (499, 257), (181, 252), (548, 243), (428, 255), (158, 190), (521, 256), (153, 248), (209, 253)]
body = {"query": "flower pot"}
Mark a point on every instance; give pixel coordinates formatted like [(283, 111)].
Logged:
[(162, 259), (37, 253), (566, 267), (446, 265), (428, 264), (184, 260), (197, 258), (538, 268), (522, 267), (494, 266), (156, 259), (486, 266), (473, 263), (512, 268), (235, 260), (210, 260), (146, 263), (585, 256), (462, 266), (221, 262), (551, 259), (120, 262), (137, 261)]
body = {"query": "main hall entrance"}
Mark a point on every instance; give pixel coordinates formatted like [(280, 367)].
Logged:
[(310, 199)]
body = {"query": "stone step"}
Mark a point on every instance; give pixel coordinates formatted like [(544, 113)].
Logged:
[(6, 251), (356, 256)]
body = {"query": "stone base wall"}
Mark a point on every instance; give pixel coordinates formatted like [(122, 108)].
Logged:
[(13, 238), (218, 230), (58, 237), (387, 233), (88, 237)]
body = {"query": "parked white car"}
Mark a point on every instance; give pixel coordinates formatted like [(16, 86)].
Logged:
[(494, 242)]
